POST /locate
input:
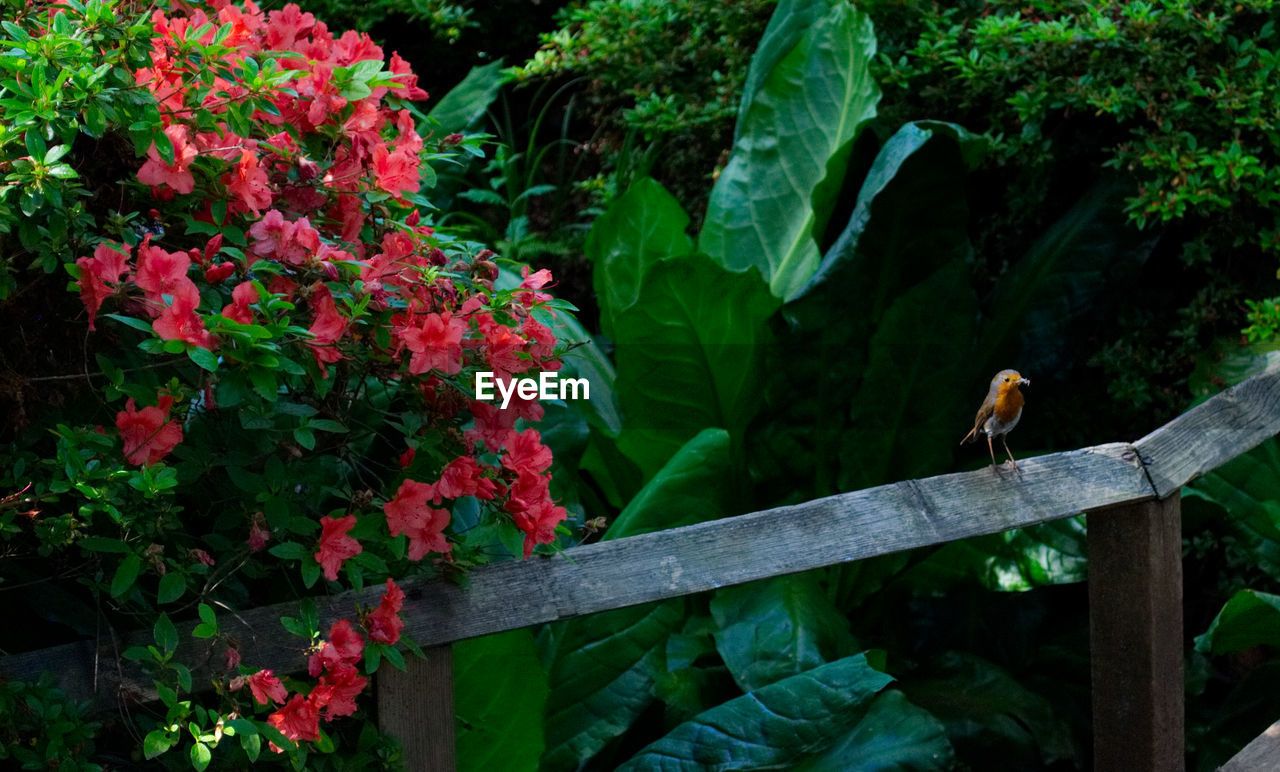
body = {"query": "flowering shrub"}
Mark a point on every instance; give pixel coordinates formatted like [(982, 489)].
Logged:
[(276, 360)]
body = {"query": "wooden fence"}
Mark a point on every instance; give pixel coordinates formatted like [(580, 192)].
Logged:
[(1129, 491)]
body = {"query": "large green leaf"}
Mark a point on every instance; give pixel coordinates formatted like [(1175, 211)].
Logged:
[(894, 736), (500, 690), (467, 102), (993, 721), (793, 148), (909, 220), (1250, 618), (918, 354), (786, 27), (602, 671), (690, 354), (779, 627), (771, 727), (690, 488), (1248, 488), (641, 227)]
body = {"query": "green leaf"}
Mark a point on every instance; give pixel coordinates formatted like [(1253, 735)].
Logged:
[(772, 727), (1250, 618), (1248, 488), (155, 743), (602, 669), (203, 357), (916, 358), (787, 26), (910, 219), (894, 736), (773, 198), (125, 575), (690, 353), (981, 704), (137, 324), (692, 487), (500, 690), (172, 586), (200, 756), (290, 550), (305, 437), (779, 627), (467, 102), (642, 226), (166, 634)]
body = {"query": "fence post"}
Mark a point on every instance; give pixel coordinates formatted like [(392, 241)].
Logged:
[(1135, 631), (416, 707)]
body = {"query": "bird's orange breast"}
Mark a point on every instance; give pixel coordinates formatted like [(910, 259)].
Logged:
[(1008, 404)]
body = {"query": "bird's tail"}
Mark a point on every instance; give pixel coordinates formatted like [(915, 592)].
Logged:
[(972, 436)]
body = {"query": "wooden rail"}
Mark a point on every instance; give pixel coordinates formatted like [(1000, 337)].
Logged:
[(1129, 490)]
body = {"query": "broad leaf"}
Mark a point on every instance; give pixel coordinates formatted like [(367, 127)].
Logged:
[(1248, 488), (990, 717), (500, 691), (786, 27), (1250, 618), (918, 354), (894, 736), (795, 139), (910, 219), (691, 487), (467, 102), (641, 227), (771, 727), (602, 670), (689, 356), (776, 628)]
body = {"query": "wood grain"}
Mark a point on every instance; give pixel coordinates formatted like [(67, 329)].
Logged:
[(1260, 755), (1135, 636), (682, 561), (416, 707), (1207, 436), (660, 565)]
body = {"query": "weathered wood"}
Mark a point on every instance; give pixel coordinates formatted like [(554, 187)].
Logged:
[(1260, 755), (1214, 432), (1135, 632), (681, 561), (665, 564), (416, 707)]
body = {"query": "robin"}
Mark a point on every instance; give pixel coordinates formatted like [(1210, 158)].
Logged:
[(1000, 412)]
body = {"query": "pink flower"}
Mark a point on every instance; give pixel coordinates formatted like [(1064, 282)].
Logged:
[(396, 172), (266, 687), (526, 453), (179, 321), (436, 345), (176, 175), (336, 547), (409, 514), (100, 276), (248, 183), (298, 720), (327, 327), (148, 434), (239, 311), (463, 477), (337, 691), (384, 623), (162, 273)]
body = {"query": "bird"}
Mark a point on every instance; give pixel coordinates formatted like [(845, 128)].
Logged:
[(1000, 412)]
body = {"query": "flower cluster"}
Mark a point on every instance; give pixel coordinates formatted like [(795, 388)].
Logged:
[(289, 272)]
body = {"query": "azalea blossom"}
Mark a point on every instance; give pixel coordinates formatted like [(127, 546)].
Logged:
[(148, 434), (336, 547), (267, 688), (384, 623)]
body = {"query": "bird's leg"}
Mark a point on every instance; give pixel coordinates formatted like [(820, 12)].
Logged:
[(991, 450), (1006, 450)]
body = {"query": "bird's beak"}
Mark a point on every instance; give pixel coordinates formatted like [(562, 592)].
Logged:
[(1024, 382)]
